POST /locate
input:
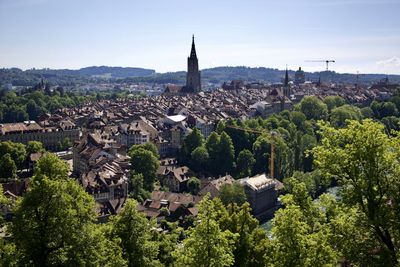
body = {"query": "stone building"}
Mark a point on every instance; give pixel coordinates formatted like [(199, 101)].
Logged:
[(299, 76), (261, 193), (108, 184), (92, 149), (49, 135), (132, 134), (175, 178), (214, 187)]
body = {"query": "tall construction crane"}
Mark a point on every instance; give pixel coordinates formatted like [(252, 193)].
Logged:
[(327, 61), (273, 135)]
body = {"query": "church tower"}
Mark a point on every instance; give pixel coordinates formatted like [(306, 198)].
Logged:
[(286, 77), (193, 74), (286, 87)]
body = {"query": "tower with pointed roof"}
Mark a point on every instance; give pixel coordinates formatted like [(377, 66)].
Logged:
[(193, 83), (286, 88), (286, 77)]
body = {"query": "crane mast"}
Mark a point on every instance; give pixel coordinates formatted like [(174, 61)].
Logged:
[(327, 61), (272, 158)]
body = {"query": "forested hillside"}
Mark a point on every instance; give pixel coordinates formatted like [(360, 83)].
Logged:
[(216, 75)]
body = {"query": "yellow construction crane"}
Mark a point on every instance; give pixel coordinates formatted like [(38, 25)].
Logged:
[(273, 135), (271, 166), (327, 61)]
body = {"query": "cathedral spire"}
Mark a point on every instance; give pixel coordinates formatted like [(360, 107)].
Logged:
[(286, 77), (193, 51), (193, 83)]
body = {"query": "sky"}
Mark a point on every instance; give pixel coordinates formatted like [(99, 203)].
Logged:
[(360, 35)]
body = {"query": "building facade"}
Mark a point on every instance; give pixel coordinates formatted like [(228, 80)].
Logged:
[(299, 76), (49, 136), (261, 193)]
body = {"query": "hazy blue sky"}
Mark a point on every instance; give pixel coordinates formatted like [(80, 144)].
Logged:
[(361, 35)]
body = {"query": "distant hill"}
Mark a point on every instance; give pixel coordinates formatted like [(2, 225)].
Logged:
[(216, 75), (219, 75), (31, 77), (270, 75), (107, 72), (116, 72)]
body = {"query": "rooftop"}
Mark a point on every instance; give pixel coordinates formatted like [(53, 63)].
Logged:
[(177, 118), (258, 182)]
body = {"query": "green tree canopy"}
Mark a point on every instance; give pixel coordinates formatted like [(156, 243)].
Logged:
[(238, 220), (191, 141), (194, 185), (364, 159), (200, 158), (313, 108), (3, 202), (137, 190), (136, 239), (226, 154), (8, 168), (206, 245), (17, 152), (212, 146), (144, 162), (340, 114), (367, 113), (54, 224), (51, 166), (245, 163), (298, 118), (146, 146), (333, 101), (232, 193), (34, 147), (383, 109), (300, 235)]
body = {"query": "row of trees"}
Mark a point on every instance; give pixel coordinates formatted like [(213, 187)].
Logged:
[(14, 156), (54, 222), (32, 103), (242, 148)]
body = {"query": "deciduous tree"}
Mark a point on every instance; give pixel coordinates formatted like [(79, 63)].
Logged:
[(364, 159), (245, 163), (54, 224), (8, 168), (232, 193), (144, 162), (206, 245), (194, 185), (313, 108), (51, 166), (134, 231)]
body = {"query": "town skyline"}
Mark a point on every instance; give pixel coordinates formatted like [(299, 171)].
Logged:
[(72, 35)]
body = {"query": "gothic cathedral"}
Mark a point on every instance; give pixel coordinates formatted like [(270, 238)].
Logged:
[(193, 83)]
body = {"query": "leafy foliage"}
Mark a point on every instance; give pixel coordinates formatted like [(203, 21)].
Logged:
[(245, 163), (194, 185), (54, 225), (52, 167), (206, 244), (365, 162), (8, 168), (17, 152), (133, 229), (313, 108), (144, 162), (232, 194)]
